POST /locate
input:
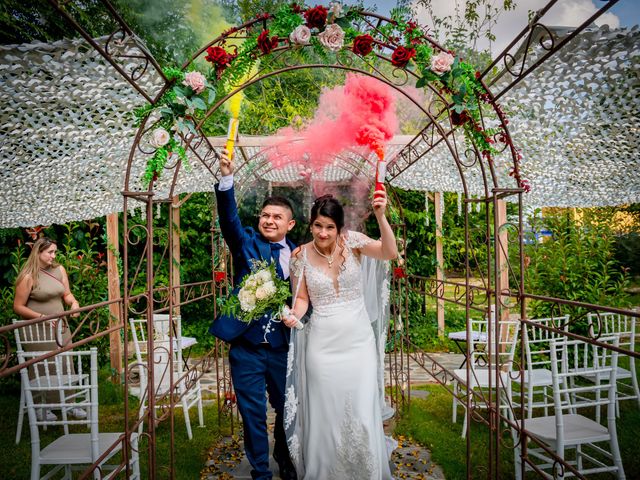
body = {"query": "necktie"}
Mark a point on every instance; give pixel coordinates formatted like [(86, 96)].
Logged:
[(275, 254)]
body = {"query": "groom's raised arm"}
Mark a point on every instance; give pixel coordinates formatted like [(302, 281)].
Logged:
[(230, 224)]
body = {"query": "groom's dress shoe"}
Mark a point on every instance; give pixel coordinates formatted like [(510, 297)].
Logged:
[(287, 472)]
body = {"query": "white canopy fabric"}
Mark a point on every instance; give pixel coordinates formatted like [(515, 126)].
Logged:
[(66, 130)]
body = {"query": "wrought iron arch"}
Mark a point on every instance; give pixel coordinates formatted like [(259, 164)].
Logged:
[(440, 130)]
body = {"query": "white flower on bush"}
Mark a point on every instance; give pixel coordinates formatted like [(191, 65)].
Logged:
[(332, 37), (441, 63), (301, 35), (196, 81), (160, 137), (335, 8)]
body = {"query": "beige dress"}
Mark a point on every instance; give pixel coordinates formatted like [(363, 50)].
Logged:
[(46, 299)]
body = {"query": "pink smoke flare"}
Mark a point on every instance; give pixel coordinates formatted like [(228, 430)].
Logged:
[(362, 112)]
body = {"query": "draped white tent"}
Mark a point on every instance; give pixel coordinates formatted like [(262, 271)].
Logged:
[(67, 127)]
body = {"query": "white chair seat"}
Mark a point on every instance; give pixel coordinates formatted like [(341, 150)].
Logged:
[(621, 374), (75, 448), (53, 382), (577, 429), (481, 377), (538, 377)]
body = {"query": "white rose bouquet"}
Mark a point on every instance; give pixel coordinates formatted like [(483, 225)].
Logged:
[(260, 291)]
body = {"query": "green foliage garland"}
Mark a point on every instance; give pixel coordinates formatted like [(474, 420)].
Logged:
[(459, 83)]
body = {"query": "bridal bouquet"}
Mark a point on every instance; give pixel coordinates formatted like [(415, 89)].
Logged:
[(260, 291)]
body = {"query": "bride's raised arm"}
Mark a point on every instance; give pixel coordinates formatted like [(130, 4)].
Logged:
[(385, 248)]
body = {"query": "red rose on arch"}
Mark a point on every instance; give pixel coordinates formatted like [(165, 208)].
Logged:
[(460, 118), (362, 45), (266, 44), (399, 272), (401, 56), (217, 56), (316, 17)]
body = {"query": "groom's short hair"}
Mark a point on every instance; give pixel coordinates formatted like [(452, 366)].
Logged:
[(278, 201)]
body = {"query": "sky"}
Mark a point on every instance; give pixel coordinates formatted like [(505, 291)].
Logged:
[(567, 13)]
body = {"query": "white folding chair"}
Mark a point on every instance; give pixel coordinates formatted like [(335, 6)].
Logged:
[(624, 327), (70, 450), (537, 372), (188, 389), (571, 428), (482, 378), (41, 337)]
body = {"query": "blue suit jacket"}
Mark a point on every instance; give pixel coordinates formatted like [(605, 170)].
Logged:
[(245, 244)]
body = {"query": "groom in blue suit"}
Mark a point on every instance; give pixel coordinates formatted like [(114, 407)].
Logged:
[(258, 353)]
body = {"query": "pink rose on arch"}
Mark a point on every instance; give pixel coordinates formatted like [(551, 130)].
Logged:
[(301, 35), (332, 37), (441, 63), (196, 81)]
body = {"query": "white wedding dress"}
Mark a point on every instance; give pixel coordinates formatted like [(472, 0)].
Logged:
[(334, 401)]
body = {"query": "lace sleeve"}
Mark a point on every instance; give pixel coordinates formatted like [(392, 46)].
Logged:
[(357, 239), (295, 266)]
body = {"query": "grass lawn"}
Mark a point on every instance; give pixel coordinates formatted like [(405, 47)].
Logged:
[(190, 456), (428, 421)]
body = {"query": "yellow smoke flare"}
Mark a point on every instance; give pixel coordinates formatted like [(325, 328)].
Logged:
[(233, 106)]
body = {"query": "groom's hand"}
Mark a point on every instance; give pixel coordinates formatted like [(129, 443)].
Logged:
[(226, 164)]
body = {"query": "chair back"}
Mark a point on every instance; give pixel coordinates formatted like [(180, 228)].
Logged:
[(569, 360), (498, 342), (163, 350), (606, 324), (538, 340), (60, 373), (38, 337)]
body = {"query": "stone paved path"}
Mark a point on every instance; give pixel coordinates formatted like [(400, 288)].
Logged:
[(226, 460)]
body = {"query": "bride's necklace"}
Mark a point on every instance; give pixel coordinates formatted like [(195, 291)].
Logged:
[(328, 257)]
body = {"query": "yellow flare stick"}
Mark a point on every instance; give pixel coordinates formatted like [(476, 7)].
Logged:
[(232, 135)]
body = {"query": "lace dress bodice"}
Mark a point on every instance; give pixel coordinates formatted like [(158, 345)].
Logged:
[(321, 288)]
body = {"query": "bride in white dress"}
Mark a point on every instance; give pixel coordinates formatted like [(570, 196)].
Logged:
[(333, 408)]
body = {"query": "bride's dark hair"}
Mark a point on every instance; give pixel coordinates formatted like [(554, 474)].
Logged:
[(330, 207)]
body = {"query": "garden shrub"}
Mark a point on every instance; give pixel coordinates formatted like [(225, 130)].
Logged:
[(576, 263)]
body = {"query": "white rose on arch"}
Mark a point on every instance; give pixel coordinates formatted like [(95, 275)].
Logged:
[(301, 35), (335, 9), (332, 37), (441, 63), (160, 137)]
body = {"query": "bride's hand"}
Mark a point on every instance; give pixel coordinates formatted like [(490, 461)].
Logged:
[(379, 202), (290, 320)]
